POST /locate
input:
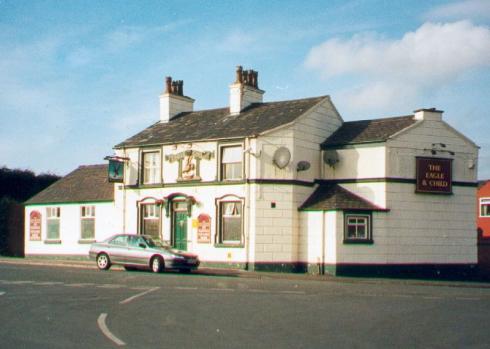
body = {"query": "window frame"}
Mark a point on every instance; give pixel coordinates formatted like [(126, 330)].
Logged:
[(366, 215), (219, 236), (158, 176), (87, 213), (221, 164), (484, 201), (157, 215), (53, 214)]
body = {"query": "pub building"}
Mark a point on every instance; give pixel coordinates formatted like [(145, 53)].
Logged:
[(278, 186)]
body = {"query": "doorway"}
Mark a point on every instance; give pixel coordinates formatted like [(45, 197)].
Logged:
[(179, 225)]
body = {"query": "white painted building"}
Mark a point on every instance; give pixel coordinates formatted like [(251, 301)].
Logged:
[(290, 186), (65, 218)]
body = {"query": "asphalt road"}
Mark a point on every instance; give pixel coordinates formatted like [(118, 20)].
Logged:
[(54, 307)]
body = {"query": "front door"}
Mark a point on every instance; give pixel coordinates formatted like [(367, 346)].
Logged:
[(180, 225)]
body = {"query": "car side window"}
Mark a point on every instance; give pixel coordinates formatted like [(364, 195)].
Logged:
[(119, 241), (135, 241)]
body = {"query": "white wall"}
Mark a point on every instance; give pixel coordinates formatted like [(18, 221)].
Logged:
[(418, 140), (358, 161), (105, 226)]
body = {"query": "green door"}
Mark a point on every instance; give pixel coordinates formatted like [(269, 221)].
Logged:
[(180, 230)]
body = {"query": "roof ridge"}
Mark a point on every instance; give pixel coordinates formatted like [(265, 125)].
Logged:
[(382, 118)]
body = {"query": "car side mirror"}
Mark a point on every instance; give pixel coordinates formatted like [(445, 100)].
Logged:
[(142, 245)]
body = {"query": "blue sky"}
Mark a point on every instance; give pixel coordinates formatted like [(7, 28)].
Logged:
[(78, 77)]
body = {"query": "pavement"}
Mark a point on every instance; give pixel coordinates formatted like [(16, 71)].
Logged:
[(85, 263)]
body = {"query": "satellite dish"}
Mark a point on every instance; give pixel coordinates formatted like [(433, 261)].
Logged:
[(302, 166), (282, 157), (330, 157)]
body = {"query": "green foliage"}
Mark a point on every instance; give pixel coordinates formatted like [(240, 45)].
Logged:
[(20, 185), (16, 186)]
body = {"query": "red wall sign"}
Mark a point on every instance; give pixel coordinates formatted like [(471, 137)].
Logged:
[(434, 175), (204, 229), (35, 226)]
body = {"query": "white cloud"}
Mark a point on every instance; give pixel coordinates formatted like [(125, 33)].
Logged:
[(468, 9), (433, 55)]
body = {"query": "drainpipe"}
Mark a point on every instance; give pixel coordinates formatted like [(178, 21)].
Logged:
[(247, 204), (124, 198), (322, 268)]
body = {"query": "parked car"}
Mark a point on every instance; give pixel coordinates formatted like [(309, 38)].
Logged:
[(140, 251)]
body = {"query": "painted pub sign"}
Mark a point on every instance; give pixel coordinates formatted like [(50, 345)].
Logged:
[(35, 226), (204, 229), (434, 175), (116, 170)]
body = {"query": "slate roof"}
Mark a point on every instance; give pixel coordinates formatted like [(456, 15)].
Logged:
[(332, 196), (368, 131), (85, 184), (219, 124)]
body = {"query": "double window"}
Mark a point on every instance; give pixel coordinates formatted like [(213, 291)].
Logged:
[(53, 215), (87, 222), (357, 227), (231, 163), (151, 161), (230, 222), (485, 207)]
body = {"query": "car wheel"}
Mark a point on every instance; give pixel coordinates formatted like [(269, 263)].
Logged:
[(156, 264), (103, 261)]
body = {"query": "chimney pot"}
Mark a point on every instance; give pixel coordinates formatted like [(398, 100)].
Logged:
[(168, 84), (172, 101), (244, 91)]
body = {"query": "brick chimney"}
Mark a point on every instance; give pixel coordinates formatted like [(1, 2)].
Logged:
[(431, 114), (173, 101), (244, 91)]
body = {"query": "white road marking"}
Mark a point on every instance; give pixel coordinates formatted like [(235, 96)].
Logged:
[(293, 292), (18, 282), (106, 332), (185, 288), (221, 289), (2, 293), (79, 285), (127, 300), (48, 283), (109, 286)]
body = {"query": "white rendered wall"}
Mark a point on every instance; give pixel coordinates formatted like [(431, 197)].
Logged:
[(70, 229), (357, 162), (318, 238)]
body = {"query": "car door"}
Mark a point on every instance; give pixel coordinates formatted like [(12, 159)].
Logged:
[(118, 249), (136, 253)]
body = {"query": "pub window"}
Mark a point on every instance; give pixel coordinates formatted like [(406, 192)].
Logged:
[(53, 215), (231, 162), (230, 222), (485, 207), (151, 167), (150, 224), (357, 227), (87, 222)]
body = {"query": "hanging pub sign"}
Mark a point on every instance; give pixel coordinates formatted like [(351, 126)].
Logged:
[(116, 172), (434, 175), (204, 229), (35, 226)]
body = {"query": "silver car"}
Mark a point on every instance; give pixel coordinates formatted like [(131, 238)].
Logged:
[(140, 251)]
